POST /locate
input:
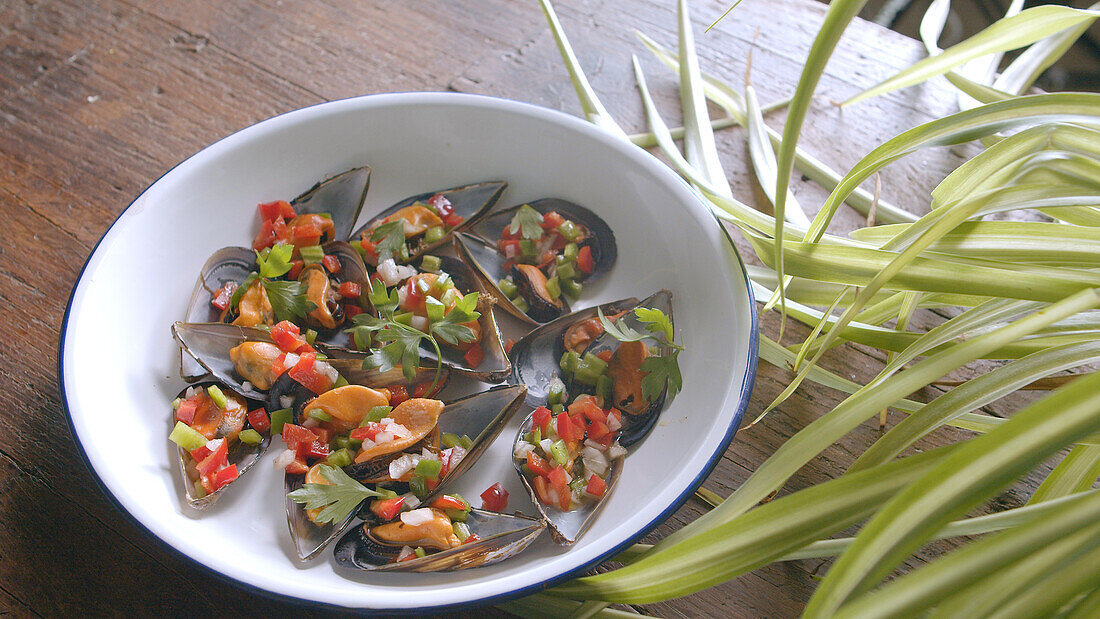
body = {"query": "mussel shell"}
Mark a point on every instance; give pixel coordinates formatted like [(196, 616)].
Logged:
[(340, 196), (502, 536), (228, 264), (536, 356), (209, 343), (469, 201), (352, 269), (243, 455), (565, 526)]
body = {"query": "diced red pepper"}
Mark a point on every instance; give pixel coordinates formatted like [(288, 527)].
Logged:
[(259, 420), (508, 345), (597, 430), (596, 486), (398, 394), (607, 439), (584, 260), (441, 204), (565, 428), (294, 434), (352, 310), (218, 458), (297, 467), (222, 477), (509, 247), (552, 220), (186, 410), (557, 478), (304, 234), (431, 482), (449, 459), (587, 406), (307, 375), (542, 489), (370, 251), (414, 298), (579, 427), (296, 267), (280, 365), (323, 434), (350, 290), (425, 390), (224, 295), (278, 208), (331, 263), (448, 502), (265, 237), (604, 355), (474, 356), (594, 413), (452, 219), (541, 418), (472, 538), (288, 338), (387, 509), (495, 498), (313, 449), (537, 465), (367, 432), (201, 453)]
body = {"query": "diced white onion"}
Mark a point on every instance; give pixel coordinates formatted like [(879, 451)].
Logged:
[(286, 401), (290, 361), (510, 251), (386, 421), (399, 467), (190, 393), (427, 454), (614, 423), (310, 422), (458, 453), (406, 551), (247, 386), (594, 461), (594, 445), (420, 323), (368, 444), (521, 450), (285, 458), (384, 437), (398, 430), (546, 444), (329, 372), (616, 451), (392, 274), (553, 496), (417, 517)]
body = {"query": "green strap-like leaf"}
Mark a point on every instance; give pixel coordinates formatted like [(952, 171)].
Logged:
[(700, 149), (1077, 472), (1003, 35), (977, 470)]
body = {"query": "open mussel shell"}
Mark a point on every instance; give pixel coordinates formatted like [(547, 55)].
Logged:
[(209, 343), (536, 356), (566, 526), (340, 196), (487, 263), (228, 264), (243, 455), (502, 536), (469, 201)]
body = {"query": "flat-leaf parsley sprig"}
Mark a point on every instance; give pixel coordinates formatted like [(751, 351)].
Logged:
[(660, 369), (338, 500), (400, 343)]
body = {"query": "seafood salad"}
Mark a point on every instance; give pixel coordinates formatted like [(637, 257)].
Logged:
[(363, 356)]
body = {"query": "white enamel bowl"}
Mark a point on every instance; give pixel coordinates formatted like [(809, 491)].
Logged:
[(119, 363)]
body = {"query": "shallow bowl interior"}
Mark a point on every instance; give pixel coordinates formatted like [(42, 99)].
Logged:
[(414, 143)]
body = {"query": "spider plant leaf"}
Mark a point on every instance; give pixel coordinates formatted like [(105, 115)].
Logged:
[(824, 431), (974, 472), (1087, 607), (1041, 543), (973, 395), (763, 158), (1022, 72), (699, 147), (594, 111), (755, 538), (1011, 241), (543, 605), (1005, 34), (1062, 585), (816, 170), (1076, 472)]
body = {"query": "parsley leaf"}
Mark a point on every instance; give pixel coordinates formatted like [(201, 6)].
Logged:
[(527, 221), (621, 331), (275, 261), (389, 240), (661, 371), (655, 321), (383, 299), (452, 329), (338, 500), (288, 300)]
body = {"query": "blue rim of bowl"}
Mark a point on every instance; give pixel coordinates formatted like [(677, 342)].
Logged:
[(735, 423)]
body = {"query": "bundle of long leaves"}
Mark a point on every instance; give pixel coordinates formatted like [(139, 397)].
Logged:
[(1031, 288)]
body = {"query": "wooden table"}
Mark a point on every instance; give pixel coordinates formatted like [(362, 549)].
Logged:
[(98, 98)]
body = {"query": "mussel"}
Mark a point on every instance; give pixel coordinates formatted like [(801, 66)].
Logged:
[(215, 441), (211, 346), (429, 219), (340, 196), (501, 536), (480, 417), (536, 256), (571, 457)]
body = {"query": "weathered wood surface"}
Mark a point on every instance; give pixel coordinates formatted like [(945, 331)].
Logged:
[(98, 98)]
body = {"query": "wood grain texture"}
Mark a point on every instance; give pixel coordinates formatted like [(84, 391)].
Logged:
[(99, 98)]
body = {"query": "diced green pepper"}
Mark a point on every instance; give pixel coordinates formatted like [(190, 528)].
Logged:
[(577, 484), (435, 309), (571, 288), (199, 490), (420, 552), (557, 409), (570, 251), (603, 387), (559, 452), (557, 392), (279, 418), (451, 296), (186, 437), (431, 263), (552, 288), (566, 272), (521, 304), (250, 437), (376, 414), (570, 231), (462, 532), (418, 486), (569, 362), (311, 336), (534, 436), (507, 287), (528, 248), (319, 415), (404, 318), (340, 442), (428, 468), (340, 382), (312, 254), (339, 458), (434, 234), (216, 394)]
